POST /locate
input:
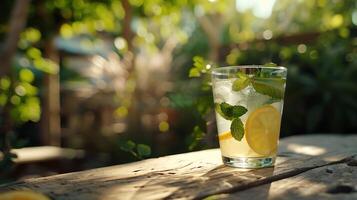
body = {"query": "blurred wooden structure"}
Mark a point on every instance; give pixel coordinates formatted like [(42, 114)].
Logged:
[(44, 153), (308, 167)]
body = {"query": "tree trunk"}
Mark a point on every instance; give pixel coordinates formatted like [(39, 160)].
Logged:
[(16, 25), (127, 33), (50, 99), (50, 117)]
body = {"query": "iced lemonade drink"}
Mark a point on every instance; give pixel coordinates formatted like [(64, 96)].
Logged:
[(248, 104)]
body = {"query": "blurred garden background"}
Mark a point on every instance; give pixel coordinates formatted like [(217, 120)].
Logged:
[(116, 81)]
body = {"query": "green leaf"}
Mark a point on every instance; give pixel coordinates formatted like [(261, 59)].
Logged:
[(26, 75), (46, 65), (240, 83), (238, 111), (194, 72), (237, 129), (196, 136), (273, 87), (198, 62), (143, 150), (5, 83), (219, 111), (228, 111), (127, 146), (33, 53)]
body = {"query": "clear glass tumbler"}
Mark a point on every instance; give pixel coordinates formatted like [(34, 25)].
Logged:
[(249, 104)]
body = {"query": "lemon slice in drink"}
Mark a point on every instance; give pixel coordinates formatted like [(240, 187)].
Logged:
[(225, 135), (262, 130)]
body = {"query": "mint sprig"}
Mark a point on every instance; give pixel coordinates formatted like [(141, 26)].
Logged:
[(273, 87), (233, 113)]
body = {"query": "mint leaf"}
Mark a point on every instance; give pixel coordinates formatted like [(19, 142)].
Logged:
[(198, 62), (194, 72), (237, 129), (228, 111), (238, 111), (127, 146), (273, 87), (240, 83), (143, 150), (219, 111), (233, 113)]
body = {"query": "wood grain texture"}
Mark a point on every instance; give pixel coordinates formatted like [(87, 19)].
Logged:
[(337, 181), (201, 174)]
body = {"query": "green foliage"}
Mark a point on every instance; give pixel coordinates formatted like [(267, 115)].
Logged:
[(320, 91), (199, 67), (143, 150), (7, 162), (22, 92), (195, 138), (329, 87), (320, 94), (127, 146), (139, 151)]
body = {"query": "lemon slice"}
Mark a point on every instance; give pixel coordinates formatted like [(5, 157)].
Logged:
[(225, 135), (262, 130), (22, 195)]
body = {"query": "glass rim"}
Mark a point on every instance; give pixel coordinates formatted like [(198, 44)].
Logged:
[(218, 71)]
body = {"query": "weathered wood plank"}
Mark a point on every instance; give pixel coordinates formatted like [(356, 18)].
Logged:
[(329, 182), (193, 175)]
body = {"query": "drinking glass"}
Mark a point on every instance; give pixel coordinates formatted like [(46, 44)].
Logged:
[(249, 104)]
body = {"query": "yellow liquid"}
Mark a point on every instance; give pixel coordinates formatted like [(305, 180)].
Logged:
[(233, 148)]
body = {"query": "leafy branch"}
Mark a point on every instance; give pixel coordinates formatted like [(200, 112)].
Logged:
[(139, 151)]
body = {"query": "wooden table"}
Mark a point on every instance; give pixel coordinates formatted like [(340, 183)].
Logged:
[(308, 167)]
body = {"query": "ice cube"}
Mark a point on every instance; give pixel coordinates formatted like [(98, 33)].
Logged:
[(256, 100), (222, 90), (240, 97)]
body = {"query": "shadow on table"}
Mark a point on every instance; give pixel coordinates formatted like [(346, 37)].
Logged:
[(225, 179)]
